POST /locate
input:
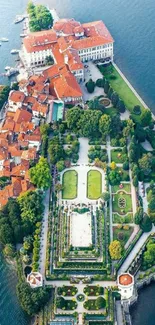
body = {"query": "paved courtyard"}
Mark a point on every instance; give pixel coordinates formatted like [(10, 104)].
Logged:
[(80, 230)]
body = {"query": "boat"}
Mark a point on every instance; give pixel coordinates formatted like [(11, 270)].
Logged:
[(4, 39), (19, 19), (14, 51), (23, 35), (11, 72), (7, 68)]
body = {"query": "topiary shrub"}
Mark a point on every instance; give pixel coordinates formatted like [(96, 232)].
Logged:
[(137, 110), (120, 236)]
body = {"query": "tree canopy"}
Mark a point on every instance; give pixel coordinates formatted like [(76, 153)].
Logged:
[(115, 250), (31, 207), (40, 175), (40, 17)]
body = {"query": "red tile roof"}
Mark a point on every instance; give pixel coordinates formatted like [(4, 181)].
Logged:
[(40, 41), (16, 96), (67, 86), (22, 115), (66, 26), (125, 279)]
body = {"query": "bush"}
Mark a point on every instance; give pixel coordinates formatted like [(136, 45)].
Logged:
[(120, 236), (90, 85), (146, 224), (137, 110), (126, 165), (100, 82)]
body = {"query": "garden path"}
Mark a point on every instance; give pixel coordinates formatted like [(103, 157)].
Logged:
[(91, 72), (135, 251), (83, 151)]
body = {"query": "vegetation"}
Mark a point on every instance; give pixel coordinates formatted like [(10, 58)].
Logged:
[(90, 85), (95, 304), (40, 17), (93, 290), (67, 291), (115, 250), (70, 182), (94, 184), (122, 233), (126, 205), (4, 93), (40, 174)]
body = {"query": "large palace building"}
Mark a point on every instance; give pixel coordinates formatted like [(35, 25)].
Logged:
[(70, 44)]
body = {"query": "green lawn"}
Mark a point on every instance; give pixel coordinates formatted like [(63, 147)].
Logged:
[(126, 187), (120, 86), (69, 182), (117, 156), (128, 203), (122, 219), (94, 184), (122, 234)]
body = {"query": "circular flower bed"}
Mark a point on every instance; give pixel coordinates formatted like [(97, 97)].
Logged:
[(105, 102), (80, 297), (122, 202)]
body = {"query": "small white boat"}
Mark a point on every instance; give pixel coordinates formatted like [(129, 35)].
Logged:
[(0, 44), (23, 35), (19, 19), (14, 51), (11, 72), (7, 68), (3, 39)]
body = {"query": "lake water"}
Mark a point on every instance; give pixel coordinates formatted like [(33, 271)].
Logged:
[(132, 26)]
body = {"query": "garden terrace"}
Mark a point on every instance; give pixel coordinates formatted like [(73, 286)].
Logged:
[(119, 85), (67, 291), (122, 233), (69, 183), (95, 304), (117, 156), (121, 203), (93, 290), (62, 303), (94, 184), (97, 152), (126, 187)]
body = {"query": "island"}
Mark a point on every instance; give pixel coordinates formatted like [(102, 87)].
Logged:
[(77, 176)]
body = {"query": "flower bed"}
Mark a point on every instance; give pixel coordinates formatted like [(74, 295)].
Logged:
[(93, 290), (67, 291)]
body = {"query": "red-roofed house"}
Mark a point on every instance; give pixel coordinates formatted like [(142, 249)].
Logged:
[(16, 99), (22, 115)]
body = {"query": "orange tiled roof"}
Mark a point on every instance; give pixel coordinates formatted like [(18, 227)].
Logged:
[(16, 96), (66, 26), (40, 108), (40, 41), (125, 279), (31, 153), (22, 115), (67, 86)]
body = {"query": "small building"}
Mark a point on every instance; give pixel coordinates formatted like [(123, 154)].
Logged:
[(35, 280), (126, 285)]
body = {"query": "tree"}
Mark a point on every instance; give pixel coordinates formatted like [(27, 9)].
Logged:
[(45, 129), (146, 224), (40, 175), (100, 303), (31, 207), (32, 300), (105, 196), (140, 133), (9, 251), (113, 165), (145, 163), (106, 86), (115, 99), (58, 187), (151, 208), (105, 124), (121, 106), (114, 177), (116, 125), (90, 85), (137, 110), (73, 116), (100, 82), (129, 129), (135, 181), (60, 165), (110, 92), (88, 124), (6, 234), (138, 217), (115, 250), (55, 150), (49, 60), (146, 117), (40, 17)]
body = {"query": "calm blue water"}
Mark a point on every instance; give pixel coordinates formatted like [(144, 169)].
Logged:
[(132, 26)]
